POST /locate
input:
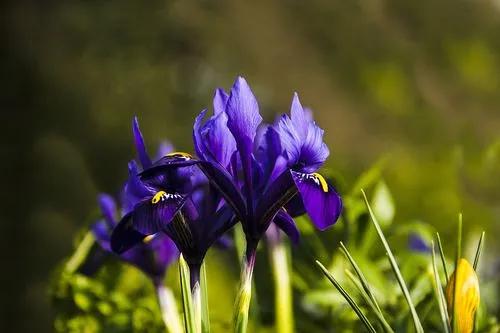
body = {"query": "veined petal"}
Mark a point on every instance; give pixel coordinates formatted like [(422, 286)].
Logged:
[(322, 203), (290, 139), (314, 151), (154, 214), (125, 236), (243, 113), (220, 101), (140, 145), (299, 117), (285, 222), (108, 208)]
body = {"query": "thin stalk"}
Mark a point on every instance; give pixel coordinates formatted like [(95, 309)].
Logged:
[(387, 328), (348, 298), (244, 296), (438, 291), (443, 258), (479, 250), (283, 306), (168, 308), (81, 253), (205, 318), (187, 301), (395, 268), (360, 275)]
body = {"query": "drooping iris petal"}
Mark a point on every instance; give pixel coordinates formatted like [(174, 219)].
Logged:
[(153, 215), (322, 203), (108, 208), (139, 145), (285, 222), (124, 235), (134, 190)]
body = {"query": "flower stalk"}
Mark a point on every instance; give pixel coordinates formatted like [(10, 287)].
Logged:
[(168, 308), (283, 305), (244, 296)]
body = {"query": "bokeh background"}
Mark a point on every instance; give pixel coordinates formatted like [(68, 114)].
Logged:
[(414, 82)]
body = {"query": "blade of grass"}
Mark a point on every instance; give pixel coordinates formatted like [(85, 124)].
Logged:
[(479, 250), (443, 258), (395, 268), (458, 255), (369, 301), (348, 298), (205, 317), (360, 275), (438, 291), (187, 303)]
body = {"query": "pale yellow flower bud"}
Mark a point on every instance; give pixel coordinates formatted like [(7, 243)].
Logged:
[(466, 297)]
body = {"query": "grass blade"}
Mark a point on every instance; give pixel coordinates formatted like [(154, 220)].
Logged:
[(360, 275), (369, 301), (443, 258), (438, 291), (479, 250), (348, 298), (205, 317), (187, 303), (395, 268)]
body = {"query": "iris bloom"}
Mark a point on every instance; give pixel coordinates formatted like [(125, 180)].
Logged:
[(178, 202), (152, 258)]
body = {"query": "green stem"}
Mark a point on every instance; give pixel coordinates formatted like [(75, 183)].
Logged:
[(282, 286), (168, 308), (194, 274), (244, 296)]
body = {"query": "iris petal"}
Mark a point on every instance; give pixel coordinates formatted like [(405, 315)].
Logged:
[(285, 222), (321, 202), (154, 214), (125, 236), (140, 145), (108, 208)]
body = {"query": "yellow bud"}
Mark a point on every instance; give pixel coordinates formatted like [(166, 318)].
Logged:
[(466, 296)]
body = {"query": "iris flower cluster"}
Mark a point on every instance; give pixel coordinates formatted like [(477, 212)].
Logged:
[(243, 171)]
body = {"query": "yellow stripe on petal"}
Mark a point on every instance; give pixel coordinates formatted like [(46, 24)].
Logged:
[(466, 296), (322, 181), (159, 196), (148, 238), (180, 154)]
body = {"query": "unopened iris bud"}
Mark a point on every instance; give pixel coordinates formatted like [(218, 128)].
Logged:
[(466, 296)]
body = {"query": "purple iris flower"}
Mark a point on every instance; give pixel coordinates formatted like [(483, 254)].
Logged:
[(260, 170), (179, 202), (152, 257)]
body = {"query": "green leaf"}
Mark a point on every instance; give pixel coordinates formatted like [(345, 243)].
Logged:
[(443, 258), (395, 268), (479, 250), (205, 317), (187, 303), (347, 297), (438, 292)]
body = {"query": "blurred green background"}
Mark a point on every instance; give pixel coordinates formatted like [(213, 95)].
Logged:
[(415, 82)]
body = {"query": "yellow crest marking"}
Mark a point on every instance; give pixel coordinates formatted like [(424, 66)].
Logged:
[(159, 196), (148, 238), (322, 181), (180, 154)]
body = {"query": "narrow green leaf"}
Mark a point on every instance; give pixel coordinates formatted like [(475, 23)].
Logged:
[(283, 288), (443, 258), (205, 317), (359, 273), (369, 301), (187, 303), (479, 250), (438, 292), (81, 253), (458, 255), (395, 268), (348, 298)]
